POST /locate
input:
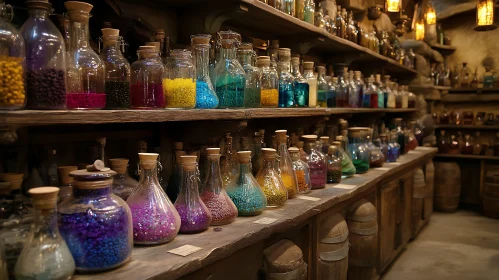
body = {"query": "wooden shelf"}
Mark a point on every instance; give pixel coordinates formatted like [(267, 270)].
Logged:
[(36, 117), (446, 49), (467, 127), (467, 156), (474, 98), (474, 90)]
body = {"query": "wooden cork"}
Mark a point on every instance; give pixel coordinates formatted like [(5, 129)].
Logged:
[(178, 145), (309, 138), (339, 138), (148, 160), (119, 165), (188, 162), (44, 198), (15, 179), (263, 61), (332, 150), (246, 46), (309, 65), (283, 256), (84, 179), (212, 151), (63, 174), (280, 136), (200, 39), (157, 45), (244, 156), (147, 51), (268, 153), (78, 11), (336, 143), (325, 139), (110, 32), (293, 150)]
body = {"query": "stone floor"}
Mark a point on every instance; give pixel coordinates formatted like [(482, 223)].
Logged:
[(459, 246)]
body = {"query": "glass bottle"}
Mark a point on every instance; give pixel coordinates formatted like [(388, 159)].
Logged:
[(443, 143), (347, 167), (256, 153), (214, 196), (123, 184), (155, 220), (358, 150), (230, 76), (477, 147), (107, 240), (301, 170), (353, 94), (454, 145), (308, 74), (174, 183), (316, 162), (351, 29), (65, 182), (206, 97), (244, 190), (394, 148), (377, 158), (147, 80), (300, 9), (467, 148), (373, 93), (179, 81), (46, 254), (392, 97), (341, 25), (300, 85), (285, 170), (86, 70), (228, 162), (332, 92), (194, 215), (381, 94), (342, 88), (488, 78), (269, 83), (324, 145), (288, 7), (252, 90), (45, 59), (404, 97), (333, 165), (270, 181), (322, 87), (319, 19), (286, 79), (360, 87), (309, 11), (412, 142), (465, 76), (384, 145)]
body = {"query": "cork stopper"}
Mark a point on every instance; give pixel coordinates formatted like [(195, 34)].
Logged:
[(300, 144), (244, 156), (188, 162), (321, 69), (15, 179), (84, 179), (268, 153), (178, 145), (245, 46), (200, 39), (331, 150), (387, 77), (148, 160), (156, 45), (263, 61), (357, 129), (293, 150), (38, 4), (336, 143), (295, 60), (119, 165), (4, 187), (284, 54), (325, 139), (147, 51), (309, 138), (110, 34), (383, 136), (309, 65), (78, 11), (280, 136), (63, 174), (212, 151), (44, 198)]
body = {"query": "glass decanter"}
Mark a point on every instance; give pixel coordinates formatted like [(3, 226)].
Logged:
[(86, 71), (300, 85), (155, 220), (65, 182), (316, 162), (384, 146), (194, 215), (214, 196), (286, 79), (117, 85), (179, 81), (301, 170), (206, 97), (230, 79), (308, 74), (270, 181), (252, 91), (45, 59), (123, 184), (333, 165), (228, 162), (46, 254), (322, 87), (269, 83), (174, 183), (286, 172), (358, 150), (14, 234)]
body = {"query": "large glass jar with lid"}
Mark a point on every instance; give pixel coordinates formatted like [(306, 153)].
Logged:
[(252, 91), (123, 184), (45, 59), (270, 181), (86, 70), (302, 171), (322, 87), (155, 219), (300, 85), (269, 83), (230, 81), (107, 240), (147, 80), (316, 162), (308, 73), (244, 190), (359, 152), (117, 86), (206, 98), (46, 254), (285, 170), (286, 79), (179, 82)]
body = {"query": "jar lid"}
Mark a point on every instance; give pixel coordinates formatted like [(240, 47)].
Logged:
[(325, 138), (212, 151), (76, 6), (44, 198), (110, 32), (63, 174), (84, 175), (356, 129), (268, 152), (280, 135), (200, 39), (119, 164), (309, 65), (309, 138), (148, 160), (293, 150), (295, 59), (245, 46)]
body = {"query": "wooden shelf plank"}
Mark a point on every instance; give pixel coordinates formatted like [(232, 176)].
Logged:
[(467, 127), (463, 98), (467, 156), (446, 49)]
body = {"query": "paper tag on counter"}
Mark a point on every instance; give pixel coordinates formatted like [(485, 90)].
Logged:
[(265, 221), (304, 197), (394, 163), (185, 250), (345, 187), (381, 169), (415, 152)]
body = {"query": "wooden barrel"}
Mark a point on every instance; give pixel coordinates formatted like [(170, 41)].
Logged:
[(447, 186), (490, 198), (363, 228), (429, 190), (419, 193), (332, 250), (284, 260)]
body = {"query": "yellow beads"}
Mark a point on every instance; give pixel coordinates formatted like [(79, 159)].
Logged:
[(288, 182), (273, 189), (12, 93), (180, 93), (269, 97)]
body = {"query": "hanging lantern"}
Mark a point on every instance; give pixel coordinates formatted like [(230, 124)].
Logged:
[(431, 15), (419, 29), (393, 6), (485, 15)]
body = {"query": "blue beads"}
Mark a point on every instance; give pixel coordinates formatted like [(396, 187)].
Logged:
[(286, 94), (205, 96), (301, 94)]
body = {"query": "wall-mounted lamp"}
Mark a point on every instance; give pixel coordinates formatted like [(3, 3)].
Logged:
[(393, 6), (419, 30), (431, 14), (485, 15)]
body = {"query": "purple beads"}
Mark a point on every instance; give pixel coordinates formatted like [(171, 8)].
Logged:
[(318, 174), (153, 224), (221, 207), (195, 218)]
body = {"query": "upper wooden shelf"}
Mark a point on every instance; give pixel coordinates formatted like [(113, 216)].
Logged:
[(36, 117), (464, 98), (467, 156), (467, 127)]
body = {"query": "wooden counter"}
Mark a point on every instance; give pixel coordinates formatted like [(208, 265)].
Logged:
[(156, 263)]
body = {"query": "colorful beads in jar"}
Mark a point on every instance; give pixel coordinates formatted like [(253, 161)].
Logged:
[(206, 97), (179, 82), (46, 89), (146, 80), (118, 94), (12, 94), (270, 181)]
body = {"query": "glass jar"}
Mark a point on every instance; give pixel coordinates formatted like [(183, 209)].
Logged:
[(206, 97), (252, 91), (316, 162), (332, 92), (300, 9), (14, 234), (65, 182), (309, 11), (179, 81), (147, 80), (269, 83), (308, 74), (46, 254), (358, 150), (333, 165), (107, 240), (86, 71), (377, 157), (45, 59), (270, 181), (117, 87), (230, 79), (342, 86), (347, 167), (301, 170), (286, 79), (214, 196), (244, 190), (322, 87), (123, 184), (194, 215), (285, 170), (155, 220), (300, 85), (174, 183)]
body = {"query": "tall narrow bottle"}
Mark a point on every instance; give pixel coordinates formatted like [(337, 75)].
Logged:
[(381, 94), (286, 164), (322, 87), (300, 85), (316, 162), (308, 67), (252, 90), (270, 181), (353, 95), (286, 79), (206, 97), (342, 88)]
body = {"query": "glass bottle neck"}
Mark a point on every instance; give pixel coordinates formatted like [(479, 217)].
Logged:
[(79, 32), (37, 12), (202, 58), (228, 53), (244, 168), (92, 193), (46, 224), (148, 176), (296, 69), (110, 45), (269, 163), (189, 186), (245, 58), (283, 66), (214, 175)]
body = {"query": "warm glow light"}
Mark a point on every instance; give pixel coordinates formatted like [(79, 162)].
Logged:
[(485, 13), (420, 30), (431, 15), (393, 6)]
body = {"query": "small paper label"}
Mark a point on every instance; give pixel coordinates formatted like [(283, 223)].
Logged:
[(382, 169), (304, 197), (415, 152), (185, 250), (344, 186), (424, 148), (395, 163), (265, 221)]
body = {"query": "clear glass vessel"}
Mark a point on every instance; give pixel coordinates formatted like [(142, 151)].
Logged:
[(300, 85), (286, 79), (269, 93), (14, 234), (358, 149), (194, 215), (300, 9), (228, 162), (384, 146), (179, 81), (244, 190), (155, 220), (393, 148), (322, 87), (381, 93), (308, 74), (107, 240), (332, 93), (123, 184), (288, 7), (214, 196), (46, 254), (359, 83), (301, 170), (342, 86), (230, 79), (353, 91), (269, 180), (147, 80), (45, 59), (316, 162), (309, 11), (65, 182), (206, 98), (174, 183), (285, 170), (86, 70), (252, 91), (333, 165)]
